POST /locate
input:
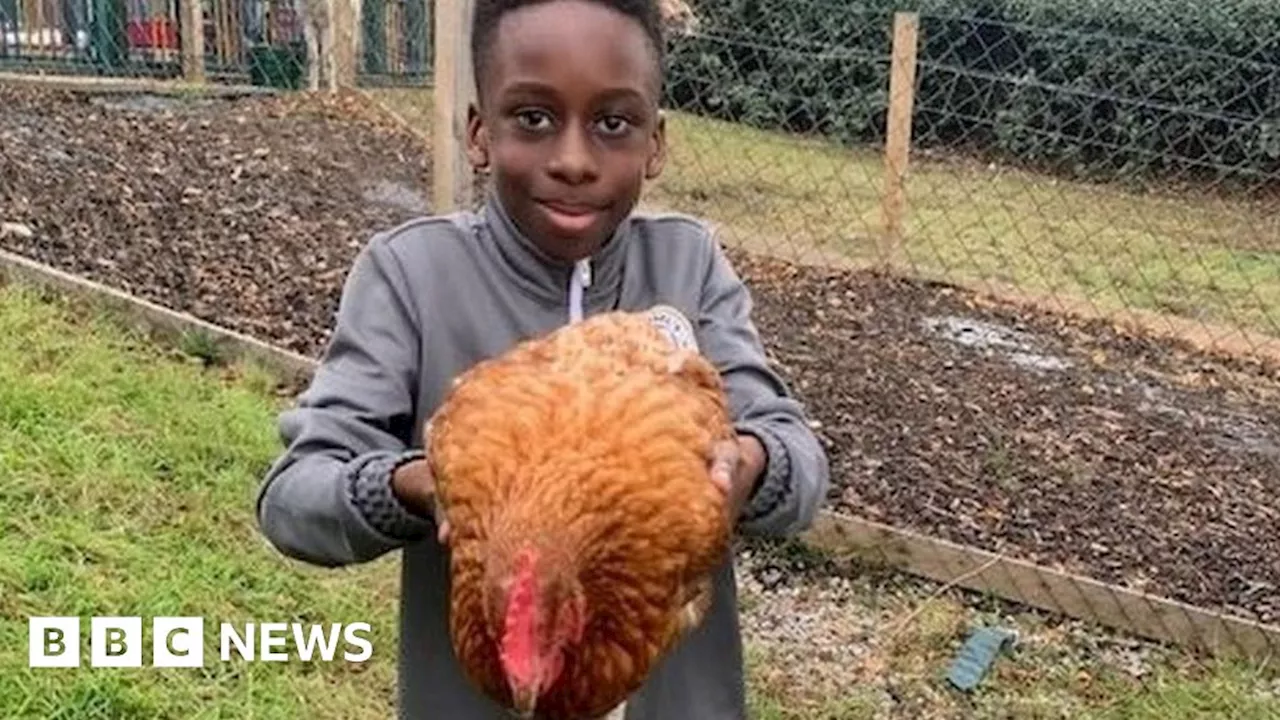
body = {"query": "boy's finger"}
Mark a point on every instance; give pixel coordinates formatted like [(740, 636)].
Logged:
[(721, 476), (724, 456), (442, 523)]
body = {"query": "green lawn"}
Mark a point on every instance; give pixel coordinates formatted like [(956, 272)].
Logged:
[(1201, 258), (129, 483), (129, 475)]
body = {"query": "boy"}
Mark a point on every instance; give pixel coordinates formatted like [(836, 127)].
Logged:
[(568, 128)]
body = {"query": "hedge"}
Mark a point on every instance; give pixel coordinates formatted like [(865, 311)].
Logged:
[(1094, 88)]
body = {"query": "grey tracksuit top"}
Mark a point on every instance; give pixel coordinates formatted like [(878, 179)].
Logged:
[(428, 299)]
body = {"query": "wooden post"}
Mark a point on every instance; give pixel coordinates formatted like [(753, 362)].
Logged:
[(192, 22), (453, 180), (394, 22), (345, 42), (897, 143)]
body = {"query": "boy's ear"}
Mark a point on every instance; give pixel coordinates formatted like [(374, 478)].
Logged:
[(657, 148), (477, 139)]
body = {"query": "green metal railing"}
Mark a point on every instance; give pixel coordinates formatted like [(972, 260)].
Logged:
[(260, 42)]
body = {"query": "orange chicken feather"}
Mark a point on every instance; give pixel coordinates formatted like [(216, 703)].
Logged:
[(584, 527)]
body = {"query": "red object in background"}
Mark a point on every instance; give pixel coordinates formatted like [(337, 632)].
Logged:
[(159, 33)]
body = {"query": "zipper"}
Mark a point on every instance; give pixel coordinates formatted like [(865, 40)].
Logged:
[(579, 281)]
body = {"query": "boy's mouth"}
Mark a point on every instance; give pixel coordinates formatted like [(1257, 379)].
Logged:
[(570, 218)]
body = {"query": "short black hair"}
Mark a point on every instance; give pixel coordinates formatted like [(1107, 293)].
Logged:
[(488, 13)]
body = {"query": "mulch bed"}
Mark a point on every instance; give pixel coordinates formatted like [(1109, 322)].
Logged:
[(247, 212), (1071, 444)]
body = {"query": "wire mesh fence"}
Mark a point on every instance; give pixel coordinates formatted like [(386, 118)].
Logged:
[(1131, 168), (1115, 159)]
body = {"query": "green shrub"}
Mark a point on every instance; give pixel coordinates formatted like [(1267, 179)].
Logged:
[(1096, 88)]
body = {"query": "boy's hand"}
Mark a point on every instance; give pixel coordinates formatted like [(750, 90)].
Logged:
[(736, 466), (414, 486)]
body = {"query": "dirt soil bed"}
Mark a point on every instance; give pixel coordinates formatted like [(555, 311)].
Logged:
[(1069, 444), (244, 211)]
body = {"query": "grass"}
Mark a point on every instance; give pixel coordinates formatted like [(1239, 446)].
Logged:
[(130, 473), (129, 485), (1201, 258), (1206, 259)]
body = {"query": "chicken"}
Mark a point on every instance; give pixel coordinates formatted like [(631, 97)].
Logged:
[(573, 474)]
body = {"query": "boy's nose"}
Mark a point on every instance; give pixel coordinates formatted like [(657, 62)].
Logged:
[(573, 161)]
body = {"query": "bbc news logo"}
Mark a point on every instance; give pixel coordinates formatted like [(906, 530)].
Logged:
[(179, 642)]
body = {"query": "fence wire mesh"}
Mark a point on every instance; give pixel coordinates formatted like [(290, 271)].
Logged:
[(1113, 156), (1113, 159)]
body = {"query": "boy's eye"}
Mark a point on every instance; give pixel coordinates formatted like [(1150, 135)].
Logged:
[(534, 120), (614, 125)]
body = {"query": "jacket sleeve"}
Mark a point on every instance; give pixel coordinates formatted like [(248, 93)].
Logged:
[(796, 476), (327, 500)]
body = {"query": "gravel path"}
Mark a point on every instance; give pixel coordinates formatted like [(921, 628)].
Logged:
[(1075, 446)]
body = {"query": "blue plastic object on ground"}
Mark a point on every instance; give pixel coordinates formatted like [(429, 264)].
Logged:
[(976, 656)]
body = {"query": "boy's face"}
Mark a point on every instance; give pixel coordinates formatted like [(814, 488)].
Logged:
[(568, 122)]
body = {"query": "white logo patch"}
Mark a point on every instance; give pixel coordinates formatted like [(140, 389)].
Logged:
[(675, 325)]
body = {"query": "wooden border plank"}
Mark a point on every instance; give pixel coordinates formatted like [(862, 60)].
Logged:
[(131, 85), (1058, 592), (156, 318)]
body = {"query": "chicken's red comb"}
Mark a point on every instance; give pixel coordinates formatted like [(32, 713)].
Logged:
[(519, 647)]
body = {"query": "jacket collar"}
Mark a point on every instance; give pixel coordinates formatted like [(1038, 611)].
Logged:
[(543, 276)]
